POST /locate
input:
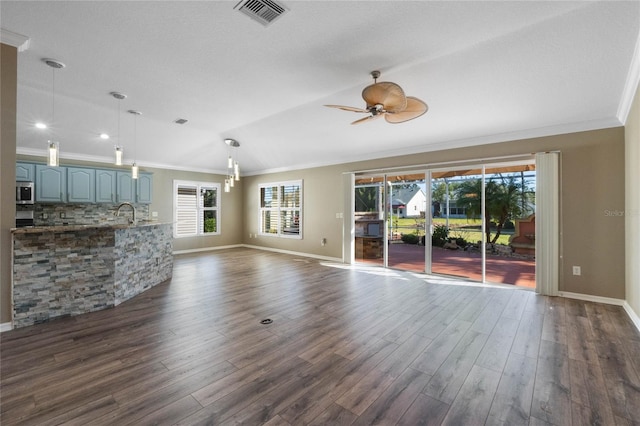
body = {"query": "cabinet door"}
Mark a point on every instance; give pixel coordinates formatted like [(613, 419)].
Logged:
[(105, 186), (145, 188), (25, 172), (51, 184), (81, 185), (126, 188)]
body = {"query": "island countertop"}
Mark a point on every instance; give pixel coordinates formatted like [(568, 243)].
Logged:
[(67, 270), (71, 228)]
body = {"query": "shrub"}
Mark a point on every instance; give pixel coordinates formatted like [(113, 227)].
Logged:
[(440, 235), (410, 238), (461, 242)]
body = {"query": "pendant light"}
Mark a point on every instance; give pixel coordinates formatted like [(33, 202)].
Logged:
[(53, 159), (118, 147), (134, 166), (53, 147), (233, 168)]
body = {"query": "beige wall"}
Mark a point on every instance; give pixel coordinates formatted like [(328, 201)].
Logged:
[(231, 221), (8, 91), (632, 208), (592, 172)]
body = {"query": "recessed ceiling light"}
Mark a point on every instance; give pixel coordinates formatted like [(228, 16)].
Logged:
[(104, 136), (41, 125)]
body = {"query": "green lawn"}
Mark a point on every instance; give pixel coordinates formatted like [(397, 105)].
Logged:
[(469, 229)]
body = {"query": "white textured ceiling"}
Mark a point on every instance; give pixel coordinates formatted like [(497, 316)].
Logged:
[(490, 71)]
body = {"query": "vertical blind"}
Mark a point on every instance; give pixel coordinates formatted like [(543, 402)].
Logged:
[(547, 222)]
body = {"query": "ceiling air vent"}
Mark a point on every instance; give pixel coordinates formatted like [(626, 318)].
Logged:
[(263, 11)]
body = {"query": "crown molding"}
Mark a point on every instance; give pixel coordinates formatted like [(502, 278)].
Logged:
[(109, 160), (16, 40), (631, 86)]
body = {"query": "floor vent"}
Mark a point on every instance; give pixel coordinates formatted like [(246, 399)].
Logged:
[(263, 11)]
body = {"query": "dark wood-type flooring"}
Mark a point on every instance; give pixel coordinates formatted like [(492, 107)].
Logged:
[(348, 345)]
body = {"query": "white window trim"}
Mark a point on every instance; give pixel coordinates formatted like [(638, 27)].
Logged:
[(218, 209), (260, 209)]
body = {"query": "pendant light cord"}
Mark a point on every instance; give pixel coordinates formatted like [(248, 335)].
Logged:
[(53, 100), (118, 142), (135, 137)]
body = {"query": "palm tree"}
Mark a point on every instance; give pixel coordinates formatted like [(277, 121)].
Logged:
[(503, 201)]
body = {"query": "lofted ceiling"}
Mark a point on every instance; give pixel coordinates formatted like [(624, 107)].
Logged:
[(490, 71)]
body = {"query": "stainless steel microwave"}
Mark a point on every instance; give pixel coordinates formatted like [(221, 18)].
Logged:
[(25, 193)]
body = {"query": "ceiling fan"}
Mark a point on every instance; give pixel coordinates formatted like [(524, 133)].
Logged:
[(387, 99)]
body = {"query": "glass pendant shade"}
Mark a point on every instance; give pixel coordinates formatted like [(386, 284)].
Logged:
[(53, 157), (118, 152), (233, 168), (134, 166), (54, 154)]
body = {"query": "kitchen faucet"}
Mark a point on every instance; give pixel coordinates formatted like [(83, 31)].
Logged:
[(117, 213)]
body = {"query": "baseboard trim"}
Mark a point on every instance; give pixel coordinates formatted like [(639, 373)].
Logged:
[(592, 298), (632, 314), (176, 252), (290, 252), (608, 300), (5, 326), (295, 253)]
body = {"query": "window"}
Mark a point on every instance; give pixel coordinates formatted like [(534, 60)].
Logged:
[(196, 208), (281, 209)]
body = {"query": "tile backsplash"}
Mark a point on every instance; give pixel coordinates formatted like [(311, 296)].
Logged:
[(85, 214)]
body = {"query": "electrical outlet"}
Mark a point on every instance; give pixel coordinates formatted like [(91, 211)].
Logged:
[(63, 215), (323, 242), (250, 235), (577, 270), (45, 216)]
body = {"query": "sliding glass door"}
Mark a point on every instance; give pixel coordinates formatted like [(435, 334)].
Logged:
[(456, 223), (483, 223), (475, 222), (370, 220)]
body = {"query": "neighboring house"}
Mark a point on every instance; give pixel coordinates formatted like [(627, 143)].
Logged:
[(439, 209), (409, 202)]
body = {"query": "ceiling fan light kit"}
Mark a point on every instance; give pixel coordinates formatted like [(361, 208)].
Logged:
[(389, 100)]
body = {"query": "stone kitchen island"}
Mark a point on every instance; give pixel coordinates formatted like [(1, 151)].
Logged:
[(73, 269)]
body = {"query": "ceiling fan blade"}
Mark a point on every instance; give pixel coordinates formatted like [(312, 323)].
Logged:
[(415, 108), (389, 95), (347, 108), (368, 118)]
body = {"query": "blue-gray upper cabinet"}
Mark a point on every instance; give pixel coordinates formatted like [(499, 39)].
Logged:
[(51, 184), (126, 187), (145, 188), (105, 186), (81, 185), (25, 172)]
